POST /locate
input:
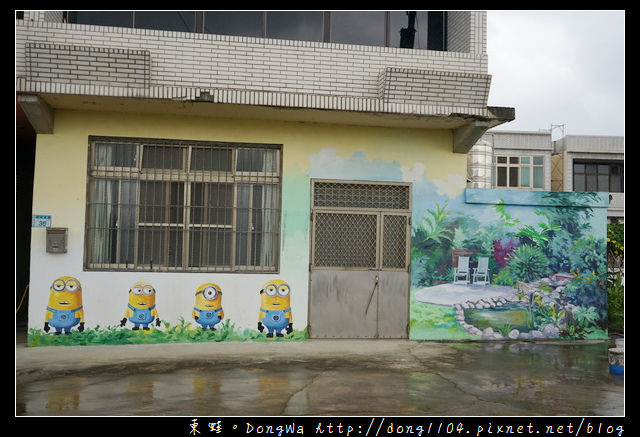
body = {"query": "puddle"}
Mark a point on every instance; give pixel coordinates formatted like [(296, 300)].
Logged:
[(484, 379)]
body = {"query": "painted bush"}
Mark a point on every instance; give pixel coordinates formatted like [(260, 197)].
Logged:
[(502, 248)]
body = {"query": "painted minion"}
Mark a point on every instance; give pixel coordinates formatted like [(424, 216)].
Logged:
[(275, 308), (208, 307), (64, 310), (141, 310)]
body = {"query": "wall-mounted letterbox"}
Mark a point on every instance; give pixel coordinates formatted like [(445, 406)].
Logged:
[(57, 240)]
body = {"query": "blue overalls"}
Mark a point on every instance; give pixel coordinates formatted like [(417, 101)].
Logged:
[(208, 318), (63, 319), (141, 316), (275, 320)]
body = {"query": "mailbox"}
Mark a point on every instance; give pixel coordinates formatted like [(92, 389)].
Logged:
[(57, 240)]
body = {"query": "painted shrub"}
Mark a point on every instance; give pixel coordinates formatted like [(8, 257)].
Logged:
[(547, 253)]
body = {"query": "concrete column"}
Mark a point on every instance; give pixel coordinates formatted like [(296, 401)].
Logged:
[(38, 112)]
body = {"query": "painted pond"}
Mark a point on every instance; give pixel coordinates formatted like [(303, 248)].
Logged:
[(504, 318)]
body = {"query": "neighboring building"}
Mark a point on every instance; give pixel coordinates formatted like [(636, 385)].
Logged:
[(277, 164), (511, 160), (591, 163), (532, 161)]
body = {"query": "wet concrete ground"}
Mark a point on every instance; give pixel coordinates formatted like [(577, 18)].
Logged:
[(320, 377)]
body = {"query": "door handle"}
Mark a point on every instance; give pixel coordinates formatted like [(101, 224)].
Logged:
[(375, 285)]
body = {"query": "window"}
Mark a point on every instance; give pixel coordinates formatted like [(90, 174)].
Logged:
[(598, 176), (406, 29), (304, 26), (246, 23), (358, 27), (518, 172), (418, 29), (102, 18), (182, 206), (179, 21)]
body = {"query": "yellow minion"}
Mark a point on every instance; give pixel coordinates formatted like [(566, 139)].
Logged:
[(275, 308), (64, 310), (208, 307), (141, 310)]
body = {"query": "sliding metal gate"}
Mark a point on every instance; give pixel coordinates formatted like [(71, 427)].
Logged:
[(360, 237)]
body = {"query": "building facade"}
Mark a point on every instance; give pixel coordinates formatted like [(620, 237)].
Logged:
[(511, 160), (591, 163), (209, 177), (533, 161)]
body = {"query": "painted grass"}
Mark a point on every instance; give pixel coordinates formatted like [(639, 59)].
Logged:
[(434, 322), (183, 332)]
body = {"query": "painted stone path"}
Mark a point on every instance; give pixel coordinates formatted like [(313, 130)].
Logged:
[(451, 294)]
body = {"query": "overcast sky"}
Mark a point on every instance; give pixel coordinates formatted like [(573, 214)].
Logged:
[(558, 67)]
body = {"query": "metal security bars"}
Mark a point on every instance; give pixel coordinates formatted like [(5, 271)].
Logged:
[(345, 240), (361, 195), (163, 205), (360, 225)]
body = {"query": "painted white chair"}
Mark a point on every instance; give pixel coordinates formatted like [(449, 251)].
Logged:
[(480, 274), (461, 273)]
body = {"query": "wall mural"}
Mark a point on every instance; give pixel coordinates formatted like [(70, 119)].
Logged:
[(499, 269), (275, 309), (141, 309), (494, 264), (208, 310), (485, 265), (64, 311)]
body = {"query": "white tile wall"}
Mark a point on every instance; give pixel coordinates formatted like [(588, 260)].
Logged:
[(60, 56)]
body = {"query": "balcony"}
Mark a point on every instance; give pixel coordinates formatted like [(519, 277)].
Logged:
[(78, 66)]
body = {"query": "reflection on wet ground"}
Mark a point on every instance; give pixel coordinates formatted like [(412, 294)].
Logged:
[(504, 379)]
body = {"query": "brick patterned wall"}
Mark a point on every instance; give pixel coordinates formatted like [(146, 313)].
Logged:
[(87, 65), (240, 66), (431, 87)]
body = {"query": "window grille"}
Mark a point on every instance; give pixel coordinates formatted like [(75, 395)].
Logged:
[(345, 240), (361, 195), (394, 244), (182, 206), (361, 225)]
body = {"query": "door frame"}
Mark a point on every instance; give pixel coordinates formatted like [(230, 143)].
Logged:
[(378, 270)]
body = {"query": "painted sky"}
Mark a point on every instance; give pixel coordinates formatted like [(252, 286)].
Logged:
[(559, 68)]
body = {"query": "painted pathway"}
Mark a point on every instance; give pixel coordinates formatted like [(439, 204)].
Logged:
[(451, 294)]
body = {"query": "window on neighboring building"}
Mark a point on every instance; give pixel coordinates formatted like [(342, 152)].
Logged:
[(182, 206), (518, 172), (598, 176)]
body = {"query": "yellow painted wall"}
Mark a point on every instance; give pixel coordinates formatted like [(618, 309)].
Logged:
[(60, 191)]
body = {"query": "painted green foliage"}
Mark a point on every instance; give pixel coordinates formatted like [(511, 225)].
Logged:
[(182, 332), (550, 255)]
